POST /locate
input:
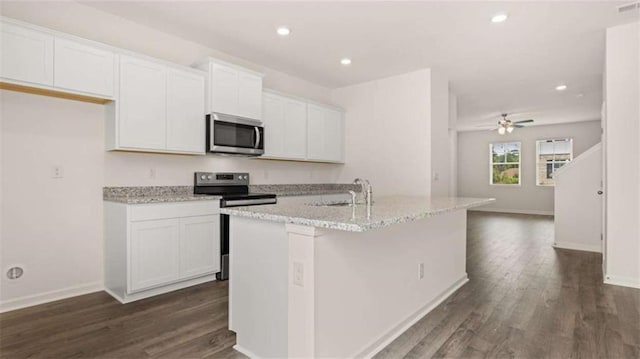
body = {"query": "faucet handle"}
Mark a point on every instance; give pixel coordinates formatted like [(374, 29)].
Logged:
[(353, 197)]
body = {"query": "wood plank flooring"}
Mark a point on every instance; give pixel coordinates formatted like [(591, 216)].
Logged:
[(524, 300)]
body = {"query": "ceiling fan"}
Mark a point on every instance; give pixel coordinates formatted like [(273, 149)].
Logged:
[(505, 125)]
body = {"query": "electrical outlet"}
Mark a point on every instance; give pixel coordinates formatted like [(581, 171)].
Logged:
[(57, 171), (152, 173), (298, 274), (421, 271)]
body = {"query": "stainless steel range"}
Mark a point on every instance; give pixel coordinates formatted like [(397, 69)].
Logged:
[(234, 189)]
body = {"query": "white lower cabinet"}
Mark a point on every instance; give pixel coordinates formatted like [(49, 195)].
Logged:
[(156, 248), (154, 253), (198, 253)]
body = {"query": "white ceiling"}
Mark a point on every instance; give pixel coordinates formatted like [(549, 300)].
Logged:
[(510, 67)]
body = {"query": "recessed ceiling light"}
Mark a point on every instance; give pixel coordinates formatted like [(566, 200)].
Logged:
[(561, 87), (283, 31), (501, 17), (346, 61)]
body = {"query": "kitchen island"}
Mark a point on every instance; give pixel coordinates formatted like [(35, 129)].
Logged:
[(320, 280)]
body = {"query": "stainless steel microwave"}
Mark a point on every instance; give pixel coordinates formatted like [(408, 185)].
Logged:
[(234, 135)]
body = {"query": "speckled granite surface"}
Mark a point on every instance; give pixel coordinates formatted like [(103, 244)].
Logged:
[(286, 190), (153, 194), (386, 211), (159, 194)]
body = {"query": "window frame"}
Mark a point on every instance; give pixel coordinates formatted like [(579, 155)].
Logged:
[(538, 141), (491, 164)]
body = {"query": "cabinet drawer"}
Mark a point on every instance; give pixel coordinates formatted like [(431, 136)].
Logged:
[(144, 212)]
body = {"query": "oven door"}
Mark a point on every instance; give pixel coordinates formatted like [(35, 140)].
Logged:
[(234, 135)]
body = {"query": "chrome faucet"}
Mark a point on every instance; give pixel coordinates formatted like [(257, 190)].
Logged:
[(366, 189)]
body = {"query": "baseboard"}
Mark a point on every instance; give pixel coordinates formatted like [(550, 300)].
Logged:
[(51, 296), (622, 281), (128, 298), (516, 211), (403, 326), (246, 352), (577, 246)]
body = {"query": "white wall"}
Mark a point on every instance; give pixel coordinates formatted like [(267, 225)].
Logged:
[(389, 124), (622, 155), (54, 227), (440, 145), (51, 227), (577, 205), (473, 165), (453, 144)]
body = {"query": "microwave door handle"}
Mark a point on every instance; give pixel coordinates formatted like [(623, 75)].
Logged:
[(212, 124), (257, 137)]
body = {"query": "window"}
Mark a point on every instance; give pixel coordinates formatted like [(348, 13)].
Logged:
[(505, 163), (551, 155)]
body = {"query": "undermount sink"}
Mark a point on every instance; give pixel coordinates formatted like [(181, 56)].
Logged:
[(333, 204)]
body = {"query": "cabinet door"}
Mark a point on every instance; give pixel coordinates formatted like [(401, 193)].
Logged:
[(185, 111), (199, 245), (325, 134), (249, 96), (274, 128), (315, 132), (154, 253), (333, 135), (83, 68), (26, 55), (295, 129), (224, 89), (142, 114)]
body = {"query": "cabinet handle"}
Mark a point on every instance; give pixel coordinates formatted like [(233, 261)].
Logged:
[(600, 192)]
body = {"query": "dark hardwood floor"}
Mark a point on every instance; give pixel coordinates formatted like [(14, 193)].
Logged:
[(524, 300)]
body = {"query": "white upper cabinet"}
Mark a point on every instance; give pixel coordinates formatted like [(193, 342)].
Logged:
[(83, 68), (233, 90), (142, 104), (185, 111), (26, 55), (250, 96), (160, 108), (299, 130), (224, 89), (295, 128), (285, 122), (325, 134)]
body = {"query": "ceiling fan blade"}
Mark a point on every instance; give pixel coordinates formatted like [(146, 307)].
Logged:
[(518, 126), (523, 121)]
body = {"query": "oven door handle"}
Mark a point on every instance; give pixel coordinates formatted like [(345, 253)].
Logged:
[(257, 144)]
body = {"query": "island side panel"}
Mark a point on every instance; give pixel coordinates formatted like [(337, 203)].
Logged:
[(258, 286), (367, 286)]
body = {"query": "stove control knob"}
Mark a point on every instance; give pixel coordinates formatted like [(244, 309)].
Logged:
[(209, 177), (246, 177), (203, 177)]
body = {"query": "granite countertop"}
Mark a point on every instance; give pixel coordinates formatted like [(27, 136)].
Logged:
[(153, 194), (384, 212), (289, 190), (164, 194), (162, 199)]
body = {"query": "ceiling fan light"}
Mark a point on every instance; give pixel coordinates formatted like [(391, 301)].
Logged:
[(509, 129), (501, 130)]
